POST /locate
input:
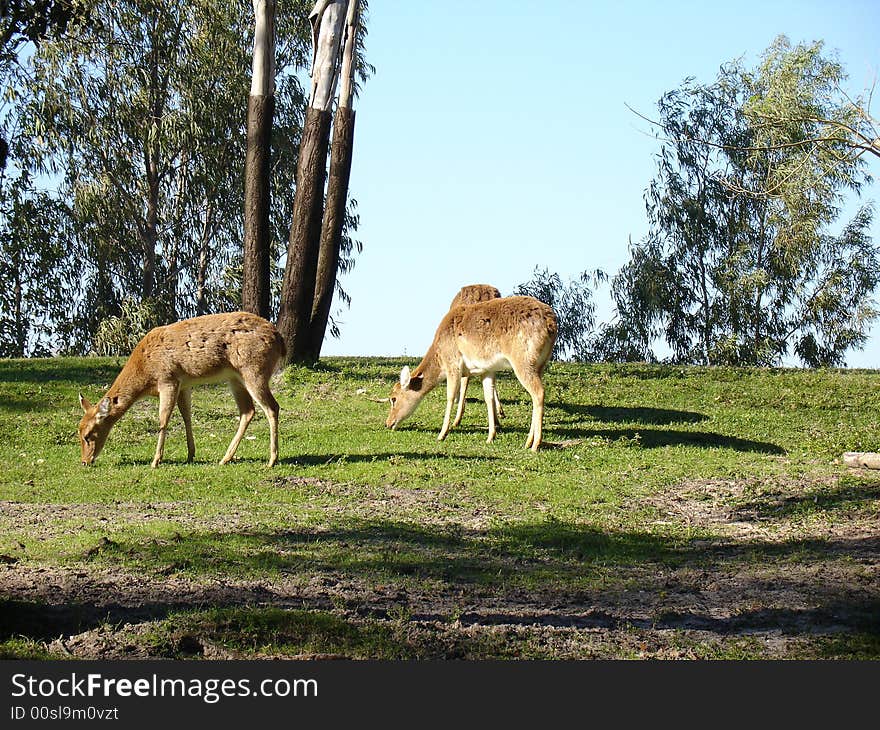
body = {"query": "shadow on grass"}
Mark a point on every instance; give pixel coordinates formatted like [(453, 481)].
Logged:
[(551, 573), (546, 556), (23, 405), (320, 459), (780, 504), (305, 459), (654, 438), (619, 414), (645, 437), (52, 371)]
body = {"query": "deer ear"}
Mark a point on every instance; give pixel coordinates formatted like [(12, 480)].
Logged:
[(84, 403), (405, 376), (104, 407)]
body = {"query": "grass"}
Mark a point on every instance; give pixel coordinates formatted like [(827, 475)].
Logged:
[(655, 484)]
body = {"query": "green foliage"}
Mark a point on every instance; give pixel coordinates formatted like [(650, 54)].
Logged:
[(118, 335), (140, 126), (640, 287), (802, 119), (35, 20), (30, 21), (574, 307), (34, 293), (740, 266)]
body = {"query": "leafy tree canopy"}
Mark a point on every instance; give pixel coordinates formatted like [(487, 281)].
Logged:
[(740, 265), (574, 306)]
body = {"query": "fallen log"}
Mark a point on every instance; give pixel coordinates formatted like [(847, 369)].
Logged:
[(862, 459)]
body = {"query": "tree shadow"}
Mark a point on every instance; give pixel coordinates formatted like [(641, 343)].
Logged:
[(379, 549), (654, 438), (311, 459), (779, 504), (860, 616), (530, 574), (320, 459), (619, 414), (23, 405), (48, 370)]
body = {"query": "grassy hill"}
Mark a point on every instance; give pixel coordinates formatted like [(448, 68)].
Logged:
[(672, 513)]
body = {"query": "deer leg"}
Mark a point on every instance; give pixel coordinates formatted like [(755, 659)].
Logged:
[(488, 396), (499, 409), (531, 381), (453, 388), (184, 405), (259, 391), (461, 399), (245, 414), (167, 399)]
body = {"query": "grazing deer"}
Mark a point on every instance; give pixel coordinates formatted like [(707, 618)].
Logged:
[(239, 348), (480, 339), (474, 294)]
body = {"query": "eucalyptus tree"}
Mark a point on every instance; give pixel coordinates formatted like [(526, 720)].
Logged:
[(575, 309), (141, 119), (34, 289), (257, 203), (24, 22), (798, 106), (319, 241), (106, 105), (740, 265)]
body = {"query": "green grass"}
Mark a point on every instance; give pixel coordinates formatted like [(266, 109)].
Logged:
[(587, 517)]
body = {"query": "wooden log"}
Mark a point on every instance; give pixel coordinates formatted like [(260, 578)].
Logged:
[(862, 459)]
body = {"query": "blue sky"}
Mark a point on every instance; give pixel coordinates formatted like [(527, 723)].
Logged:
[(494, 138)]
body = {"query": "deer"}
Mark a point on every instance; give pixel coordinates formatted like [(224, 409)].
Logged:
[(516, 333), (239, 348), (474, 294)]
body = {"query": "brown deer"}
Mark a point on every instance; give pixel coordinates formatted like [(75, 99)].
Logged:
[(474, 294), (481, 339), (239, 348)]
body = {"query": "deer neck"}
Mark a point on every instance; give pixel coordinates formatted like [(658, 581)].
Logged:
[(430, 369), (129, 387)]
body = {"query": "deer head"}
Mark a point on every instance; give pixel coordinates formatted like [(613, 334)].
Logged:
[(94, 428), (406, 394)]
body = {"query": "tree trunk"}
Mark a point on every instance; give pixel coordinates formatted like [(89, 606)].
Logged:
[(331, 229), (204, 249), (17, 294), (172, 286), (337, 192), (151, 167), (261, 107), (151, 229), (298, 286)]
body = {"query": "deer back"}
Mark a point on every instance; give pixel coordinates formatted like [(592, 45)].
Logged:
[(203, 347), (516, 328), (475, 293)]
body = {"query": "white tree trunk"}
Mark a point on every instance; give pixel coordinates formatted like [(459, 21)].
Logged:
[(263, 69), (328, 25), (346, 87)]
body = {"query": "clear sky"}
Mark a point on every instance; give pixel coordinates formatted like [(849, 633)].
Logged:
[(494, 138)]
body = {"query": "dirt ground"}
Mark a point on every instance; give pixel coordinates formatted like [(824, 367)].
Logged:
[(815, 581)]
